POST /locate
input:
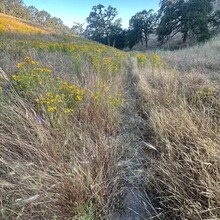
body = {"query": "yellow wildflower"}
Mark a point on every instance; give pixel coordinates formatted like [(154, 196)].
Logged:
[(49, 94), (28, 60), (57, 98), (34, 62), (20, 65), (68, 110), (79, 98), (52, 109), (106, 89)]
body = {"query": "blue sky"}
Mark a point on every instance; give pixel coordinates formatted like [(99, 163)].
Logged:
[(78, 10)]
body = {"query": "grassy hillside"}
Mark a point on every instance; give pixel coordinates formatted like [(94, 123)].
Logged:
[(88, 131), (180, 104), (12, 24), (203, 57), (61, 100)]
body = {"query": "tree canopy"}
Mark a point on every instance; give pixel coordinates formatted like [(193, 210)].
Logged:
[(185, 17), (102, 25), (196, 19), (142, 24)]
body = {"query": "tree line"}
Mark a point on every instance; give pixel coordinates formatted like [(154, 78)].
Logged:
[(190, 18), (196, 19)]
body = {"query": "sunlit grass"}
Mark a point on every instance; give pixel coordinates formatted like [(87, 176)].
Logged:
[(12, 24)]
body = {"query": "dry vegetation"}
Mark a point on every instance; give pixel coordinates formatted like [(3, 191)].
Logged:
[(8, 23), (65, 143), (182, 109), (203, 58), (61, 145), (59, 121), (70, 166)]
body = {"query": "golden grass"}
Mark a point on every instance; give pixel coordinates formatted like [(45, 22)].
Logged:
[(12, 24), (182, 123)]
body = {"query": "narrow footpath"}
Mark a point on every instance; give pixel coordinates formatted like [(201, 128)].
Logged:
[(134, 201)]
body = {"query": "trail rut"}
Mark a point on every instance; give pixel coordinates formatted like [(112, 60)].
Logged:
[(134, 201)]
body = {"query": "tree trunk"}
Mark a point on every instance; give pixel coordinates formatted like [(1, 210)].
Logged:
[(142, 42), (108, 41), (146, 42), (146, 38), (185, 35), (113, 44)]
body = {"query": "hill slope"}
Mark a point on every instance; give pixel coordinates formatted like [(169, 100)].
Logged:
[(87, 130), (61, 139), (12, 24)]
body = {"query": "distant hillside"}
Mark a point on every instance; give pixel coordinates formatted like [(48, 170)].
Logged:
[(12, 24)]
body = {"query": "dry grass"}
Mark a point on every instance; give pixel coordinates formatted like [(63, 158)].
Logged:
[(204, 58), (71, 167), (182, 123), (68, 166), (12, 24), (62, 166)]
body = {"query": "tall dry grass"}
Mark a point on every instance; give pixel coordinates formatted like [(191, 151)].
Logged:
[(204, 58), (63, 167), (71, 168), (181, 111)]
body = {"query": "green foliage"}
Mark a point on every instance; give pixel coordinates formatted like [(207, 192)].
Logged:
[(15, 8), (143, 25), (215, 20), (103, 27), (121, 39), (77, 28), (86, 213), (186, 17), (33, 12), (131, 38)]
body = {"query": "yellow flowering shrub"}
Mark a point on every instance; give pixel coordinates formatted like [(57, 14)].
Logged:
[(156, 60), (30, 76), (141, 60), (144, 59), (103, 59), (206, 91), (51, 94)]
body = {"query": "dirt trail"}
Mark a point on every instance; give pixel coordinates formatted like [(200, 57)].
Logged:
[(134, 200)]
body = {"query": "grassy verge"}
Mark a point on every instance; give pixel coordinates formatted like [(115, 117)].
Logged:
[(181, 110)]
